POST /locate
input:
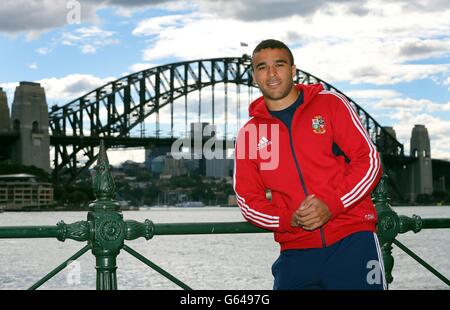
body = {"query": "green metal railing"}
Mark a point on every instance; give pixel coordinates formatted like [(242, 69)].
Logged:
[(105, 231), (390, 225)]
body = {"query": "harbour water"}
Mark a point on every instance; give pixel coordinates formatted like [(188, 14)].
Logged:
[(226, 262)]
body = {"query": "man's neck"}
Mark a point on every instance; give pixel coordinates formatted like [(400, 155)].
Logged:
[(283, 103)]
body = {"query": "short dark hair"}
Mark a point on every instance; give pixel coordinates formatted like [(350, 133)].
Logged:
[(271, 43)]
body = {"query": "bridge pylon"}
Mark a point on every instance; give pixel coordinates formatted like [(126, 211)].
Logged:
[(421, 171), (29, 118), (4, 113)]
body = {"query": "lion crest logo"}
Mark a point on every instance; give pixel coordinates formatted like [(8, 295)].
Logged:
[(318, 125)]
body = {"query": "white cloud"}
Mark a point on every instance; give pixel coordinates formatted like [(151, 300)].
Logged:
[(70, 87), (36, 16), (196, 36), (447, 82), (140, 66), (88, 49), (118, 156), (423, 105), (93, 32), (33, 17), (33, 66), (437, 127), (372, 94), (154, 25), (124, 12), (359, 62), (89, 39), (374, 46), (32, 35), (62, 90), (43, 50), (251, 10), (9, 89), (178, 5), (405, 113), (414, 48)]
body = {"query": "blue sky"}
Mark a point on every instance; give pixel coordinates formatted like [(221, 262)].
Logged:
[(392, 57)]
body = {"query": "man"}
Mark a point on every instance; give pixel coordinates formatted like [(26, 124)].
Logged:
[(308, 148)]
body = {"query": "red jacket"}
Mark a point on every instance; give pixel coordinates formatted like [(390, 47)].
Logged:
[(299, 162)]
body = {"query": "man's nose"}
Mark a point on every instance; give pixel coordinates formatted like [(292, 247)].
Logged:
[(272, 71)]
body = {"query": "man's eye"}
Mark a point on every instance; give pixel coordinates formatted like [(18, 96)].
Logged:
[(261, 68)]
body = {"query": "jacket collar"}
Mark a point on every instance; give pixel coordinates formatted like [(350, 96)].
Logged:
[(258, 107)]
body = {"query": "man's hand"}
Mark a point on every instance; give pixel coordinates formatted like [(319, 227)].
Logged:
[(312, 214)]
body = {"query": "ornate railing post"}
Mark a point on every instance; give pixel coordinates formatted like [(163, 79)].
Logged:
[(390, 225), (108, 224)]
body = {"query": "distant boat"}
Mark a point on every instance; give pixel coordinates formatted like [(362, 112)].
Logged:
[(190, 204)]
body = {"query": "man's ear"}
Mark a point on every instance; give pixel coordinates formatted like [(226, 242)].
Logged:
[(294, 71)]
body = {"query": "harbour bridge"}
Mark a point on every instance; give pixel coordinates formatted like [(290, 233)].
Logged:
[(114, 111), (153, 107)]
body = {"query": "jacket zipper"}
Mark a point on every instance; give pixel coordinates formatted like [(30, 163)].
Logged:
[(305, 190)]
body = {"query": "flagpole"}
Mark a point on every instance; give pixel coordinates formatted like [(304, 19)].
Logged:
[(243, 45)]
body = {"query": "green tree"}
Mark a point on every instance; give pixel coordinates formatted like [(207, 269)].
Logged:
[(78, 197), (143, 176), (151, 194)]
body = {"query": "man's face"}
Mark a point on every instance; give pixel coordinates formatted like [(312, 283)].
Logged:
[(273, 72)]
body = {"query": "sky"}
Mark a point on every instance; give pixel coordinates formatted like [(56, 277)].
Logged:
[(392, 57)]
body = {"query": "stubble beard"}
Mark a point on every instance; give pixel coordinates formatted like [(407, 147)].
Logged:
[(282, 95)]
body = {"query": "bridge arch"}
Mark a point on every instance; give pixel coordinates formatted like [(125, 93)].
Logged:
[(113, 110)]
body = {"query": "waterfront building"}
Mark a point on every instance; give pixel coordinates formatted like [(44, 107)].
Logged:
[(18, 191)]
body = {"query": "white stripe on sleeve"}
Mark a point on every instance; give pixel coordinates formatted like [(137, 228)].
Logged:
[(366, 182)]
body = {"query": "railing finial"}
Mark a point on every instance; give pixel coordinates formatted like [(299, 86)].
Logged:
[(104, 187)]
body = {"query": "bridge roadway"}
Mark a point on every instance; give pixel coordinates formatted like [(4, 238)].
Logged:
[(120, 142), (110, 141)]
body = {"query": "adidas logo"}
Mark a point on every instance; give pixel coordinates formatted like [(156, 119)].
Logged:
[(263, 142)]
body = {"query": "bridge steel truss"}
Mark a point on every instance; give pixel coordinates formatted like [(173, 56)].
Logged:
[(111, 111)]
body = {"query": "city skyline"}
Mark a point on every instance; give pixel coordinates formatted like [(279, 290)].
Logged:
[(391, 57)]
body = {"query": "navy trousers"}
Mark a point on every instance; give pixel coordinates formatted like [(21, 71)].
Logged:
[(353, 263)]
